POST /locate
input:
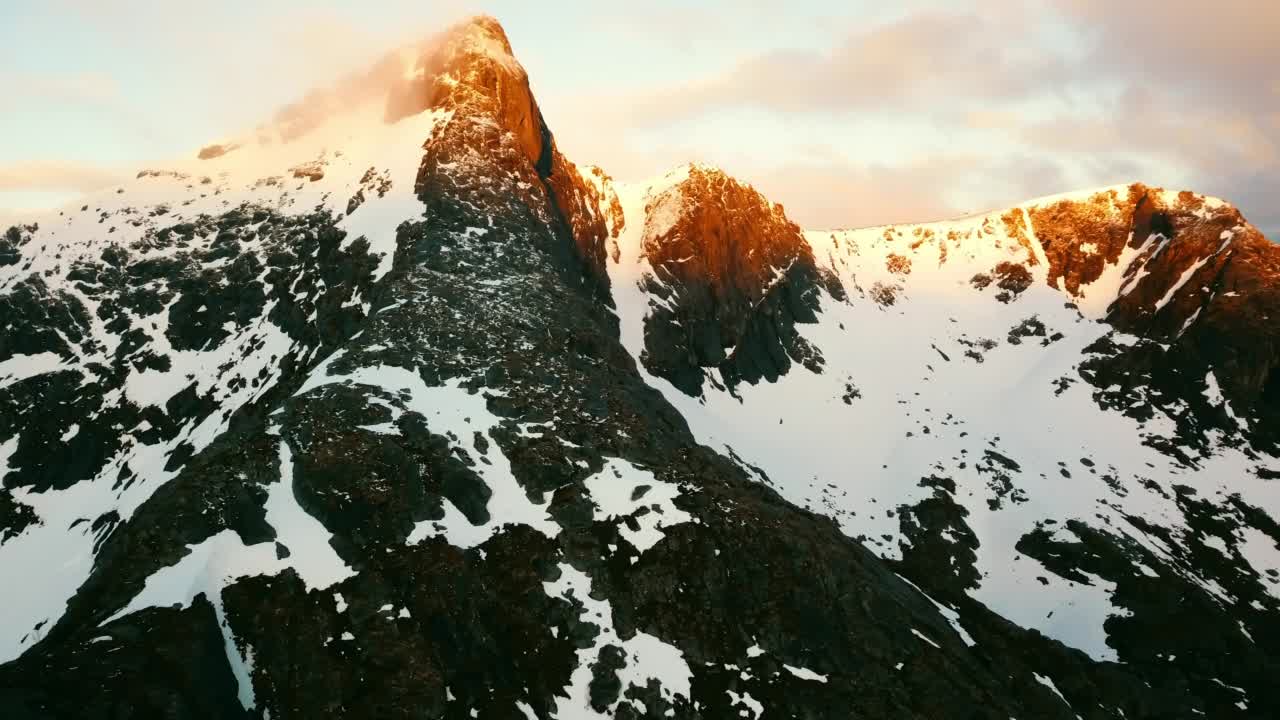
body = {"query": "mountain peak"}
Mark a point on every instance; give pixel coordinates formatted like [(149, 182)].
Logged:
[(735, 273), (483, 34), (468, 68)]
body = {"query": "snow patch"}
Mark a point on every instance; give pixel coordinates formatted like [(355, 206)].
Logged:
[(621, 489), (647, 657), (807, 674)]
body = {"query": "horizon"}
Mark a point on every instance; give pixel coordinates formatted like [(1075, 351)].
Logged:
[(834, 112)]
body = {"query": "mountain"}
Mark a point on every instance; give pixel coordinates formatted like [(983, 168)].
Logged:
[(388, 409)]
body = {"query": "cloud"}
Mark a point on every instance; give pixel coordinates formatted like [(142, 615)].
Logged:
[(59, 88), (1258, 196), (1035, 98), (1223, 52), (56, 176), (818, 195), (921, 63)]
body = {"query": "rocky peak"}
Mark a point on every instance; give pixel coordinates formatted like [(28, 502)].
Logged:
[(1176, 267), (470, 69), (277, 449), (1083, 234), (712, 227), (470, 74), (739, 275)]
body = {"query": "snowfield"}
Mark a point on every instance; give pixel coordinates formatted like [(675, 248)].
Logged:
[(939, 385)]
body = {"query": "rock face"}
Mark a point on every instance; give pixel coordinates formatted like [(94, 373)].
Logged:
[(381, 441), (1207, 285), (1193, 274), (471, 73), (734, 276)]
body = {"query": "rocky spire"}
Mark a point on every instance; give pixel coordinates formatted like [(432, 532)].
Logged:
[(739, 276), (471, 72)]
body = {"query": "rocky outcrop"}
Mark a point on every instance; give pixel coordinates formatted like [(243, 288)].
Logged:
[(1194, 276), (470, 72), (1209, 285), (734, 277)]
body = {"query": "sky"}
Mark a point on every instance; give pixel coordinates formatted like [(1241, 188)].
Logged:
[(849, 112)]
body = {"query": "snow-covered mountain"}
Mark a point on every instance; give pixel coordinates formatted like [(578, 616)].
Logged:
[(1093, 364), (387, 409)]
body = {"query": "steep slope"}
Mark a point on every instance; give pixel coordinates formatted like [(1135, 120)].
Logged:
[(358, 437), (1059, 411)]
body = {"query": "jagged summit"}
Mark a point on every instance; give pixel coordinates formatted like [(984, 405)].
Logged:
[(466, 60), (730, 275), (708, 258)]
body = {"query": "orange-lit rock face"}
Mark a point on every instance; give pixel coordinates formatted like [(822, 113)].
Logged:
[(738, 275), (727, 236), (1080, 238), (470, 72), (1195, 276), (1213, 290), (1196, 256)]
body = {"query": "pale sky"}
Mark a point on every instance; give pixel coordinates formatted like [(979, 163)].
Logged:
[(848, 112)]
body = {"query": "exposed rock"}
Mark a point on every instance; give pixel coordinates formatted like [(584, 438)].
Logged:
[(737, 276)]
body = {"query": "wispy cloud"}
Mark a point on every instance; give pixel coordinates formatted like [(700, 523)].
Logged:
[(56, 176), (1078, 92)]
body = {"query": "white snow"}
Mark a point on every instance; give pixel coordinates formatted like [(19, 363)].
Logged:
[(646, 656), (925, 638), (1182, 280), (753, 705), (612, 490), (1047, 682), (21, 367), (1260, 551), (1216, 543), (241, 668), (953, 617), (311, 555), (806, 673), (1213, 393), (223, 558), (7, 449), (921, 415), (348, 143), (451, 410)]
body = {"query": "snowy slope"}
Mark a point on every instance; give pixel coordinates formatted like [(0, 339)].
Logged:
[(923, 378), (355, 152)]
